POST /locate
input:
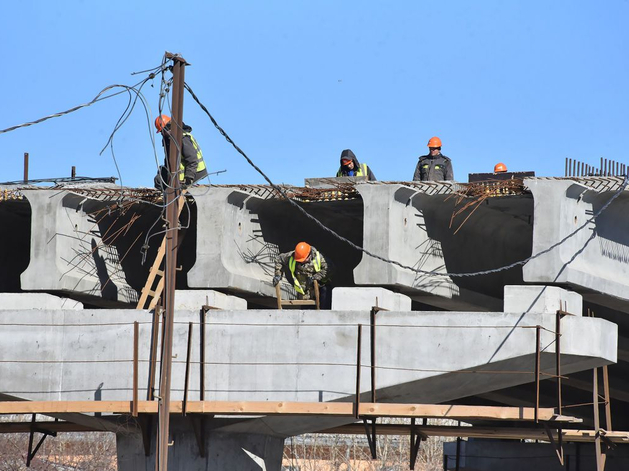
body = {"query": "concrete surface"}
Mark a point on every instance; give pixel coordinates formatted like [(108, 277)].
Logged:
[(36, 301), (289, 355), (223, 452), (193, 299), (363, 299), (596, 259), (545, 299), (412, 226)]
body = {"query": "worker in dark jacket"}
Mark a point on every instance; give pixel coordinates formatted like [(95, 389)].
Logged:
[(192, 166), (350, 167), (305, 265), (434, 166)]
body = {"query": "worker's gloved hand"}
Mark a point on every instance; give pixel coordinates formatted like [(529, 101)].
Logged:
[(276, 279), (187, 182)]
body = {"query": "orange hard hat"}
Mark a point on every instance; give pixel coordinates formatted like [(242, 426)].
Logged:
[(302, 251), (434, 142), (500, 168), (161, 122), (346, 161)]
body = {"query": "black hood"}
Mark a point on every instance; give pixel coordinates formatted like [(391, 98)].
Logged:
[(185, 127), (348, 154)]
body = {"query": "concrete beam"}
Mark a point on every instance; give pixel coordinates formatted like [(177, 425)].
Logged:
[(409, 225), (596, 259)]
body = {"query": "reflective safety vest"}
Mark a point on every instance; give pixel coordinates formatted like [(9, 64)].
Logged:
[(361, 172), (292, 263), (200, 161)]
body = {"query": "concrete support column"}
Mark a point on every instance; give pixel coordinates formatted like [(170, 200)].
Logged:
[(223, 451)]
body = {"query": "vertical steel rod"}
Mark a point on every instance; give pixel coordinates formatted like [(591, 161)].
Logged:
[(358, 358), (608, 406), (136, 343), (373, 354), (538, 331), (153, 364), (187, 375), (202, 354), (601, 171), (73, 172), (25, 167), (567, 165), (173, 192), (597, 424), (558, 358)]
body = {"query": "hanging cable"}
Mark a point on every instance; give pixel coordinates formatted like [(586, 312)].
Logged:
[(386, 260)]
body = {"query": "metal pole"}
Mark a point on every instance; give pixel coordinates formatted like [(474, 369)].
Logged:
[(25, 167), (373, 354), (558, 357), (136, 342), (567, 166), (184, 407), (597, 424), (73, 172), (538, 331), (170, 264), (358, 356)]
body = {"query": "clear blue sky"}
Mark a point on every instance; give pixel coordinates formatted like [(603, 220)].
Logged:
[(296, 82)]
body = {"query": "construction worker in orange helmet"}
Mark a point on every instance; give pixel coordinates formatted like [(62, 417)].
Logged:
[(191, 167), (433, 166), (500, 168), (305, 265)]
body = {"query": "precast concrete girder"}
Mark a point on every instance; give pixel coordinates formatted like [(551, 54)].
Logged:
[(239, 235), (595, 259), (409, 225), (80, 246)]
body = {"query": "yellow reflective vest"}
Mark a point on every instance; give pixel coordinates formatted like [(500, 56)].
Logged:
[(292, 263)]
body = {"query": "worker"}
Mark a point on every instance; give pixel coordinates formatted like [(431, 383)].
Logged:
[(191, 167), (305, 265), (500, 168), (350, 167), (434, 166)]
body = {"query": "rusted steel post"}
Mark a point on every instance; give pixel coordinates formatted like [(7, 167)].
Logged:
[(187, 375), (538, 331), (358, 358), (172, 193), (73, 172), (373, 353), (601, 173), (202, 354), (25, 167), (608, 406), (150, 395), (558, 358), (136, 342), (597, 424)]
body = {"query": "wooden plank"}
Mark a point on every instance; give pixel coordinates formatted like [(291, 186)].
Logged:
[(501, 433), (287, 408)]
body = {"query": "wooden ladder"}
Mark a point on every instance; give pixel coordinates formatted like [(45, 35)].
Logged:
[(157, 271), (297, 302)]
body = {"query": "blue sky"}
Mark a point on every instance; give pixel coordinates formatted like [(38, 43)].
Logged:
[(294, 83)]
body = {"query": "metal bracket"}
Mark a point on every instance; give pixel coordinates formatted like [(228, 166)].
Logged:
[(558, 445), (416, 439), (371, 436), (31, 453)]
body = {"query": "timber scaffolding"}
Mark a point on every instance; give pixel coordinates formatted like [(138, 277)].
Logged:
[(548, 424)]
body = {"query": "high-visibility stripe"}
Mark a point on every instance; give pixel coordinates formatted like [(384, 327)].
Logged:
[(292, 263), (200, 161)]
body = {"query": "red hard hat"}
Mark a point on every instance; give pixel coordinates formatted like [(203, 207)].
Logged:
[(161, 122), (500, 168), (434, 142), (302, 251)]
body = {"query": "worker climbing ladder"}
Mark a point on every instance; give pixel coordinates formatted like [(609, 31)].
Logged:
[(157, 272), (297, 302)]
